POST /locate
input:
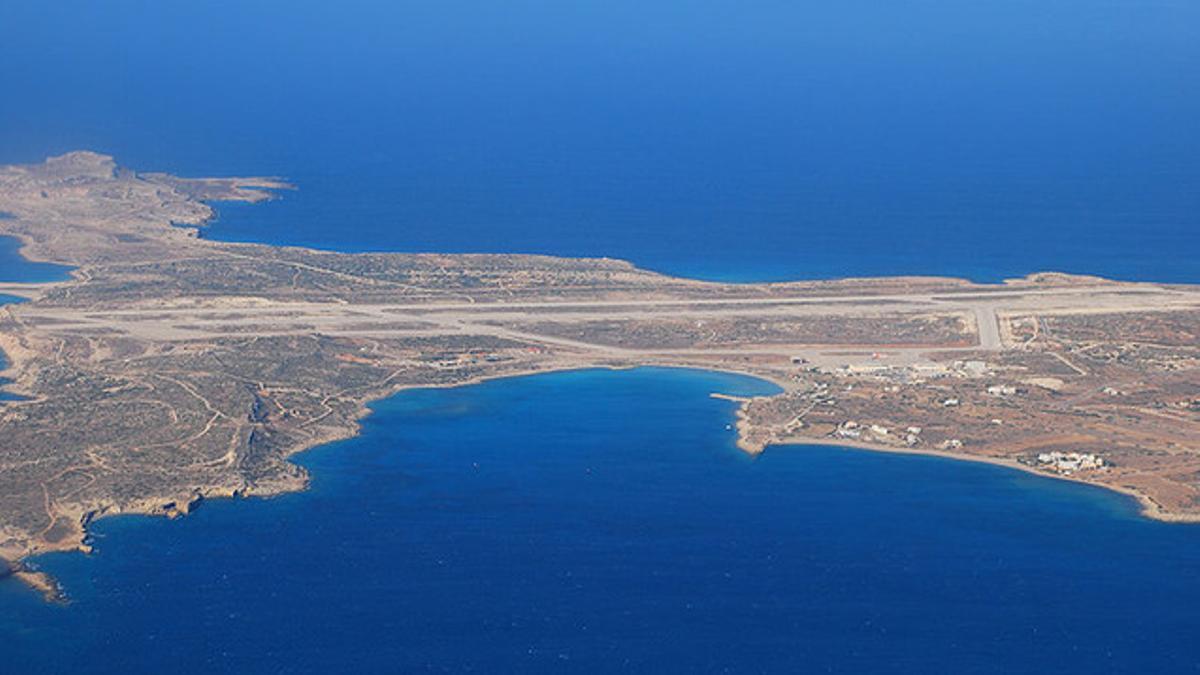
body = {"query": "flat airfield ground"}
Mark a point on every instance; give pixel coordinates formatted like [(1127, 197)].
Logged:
[(170, 369)]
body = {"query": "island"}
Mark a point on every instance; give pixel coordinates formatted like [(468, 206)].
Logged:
[(170, 369)]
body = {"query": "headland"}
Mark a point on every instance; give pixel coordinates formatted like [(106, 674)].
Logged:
[(170, 369)]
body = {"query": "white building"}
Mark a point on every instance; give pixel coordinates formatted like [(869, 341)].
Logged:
[(1070, 462)]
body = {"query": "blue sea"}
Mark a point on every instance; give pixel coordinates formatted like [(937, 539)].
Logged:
[(724, 139), (14, 268), (603, 521)]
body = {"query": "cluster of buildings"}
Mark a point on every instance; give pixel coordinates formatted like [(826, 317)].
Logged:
[(818, 394), (469, 359), (877, 432), (914, 372), (1068, 463)]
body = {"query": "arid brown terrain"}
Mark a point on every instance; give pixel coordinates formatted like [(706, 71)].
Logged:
[(170, 369)]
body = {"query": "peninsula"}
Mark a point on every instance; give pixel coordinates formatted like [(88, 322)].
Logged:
[(170, 369)]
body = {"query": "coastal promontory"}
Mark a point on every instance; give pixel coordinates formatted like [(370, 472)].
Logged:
[(169, 368)]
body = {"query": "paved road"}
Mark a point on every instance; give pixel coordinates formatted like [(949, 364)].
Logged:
[(989, 327), (247, 317)]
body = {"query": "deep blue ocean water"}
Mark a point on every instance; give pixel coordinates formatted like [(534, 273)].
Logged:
[(603, 521), (598, 521), (15, 268), (729, 139)]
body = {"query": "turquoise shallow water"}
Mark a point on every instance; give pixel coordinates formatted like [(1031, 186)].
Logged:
[(604, 521)]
